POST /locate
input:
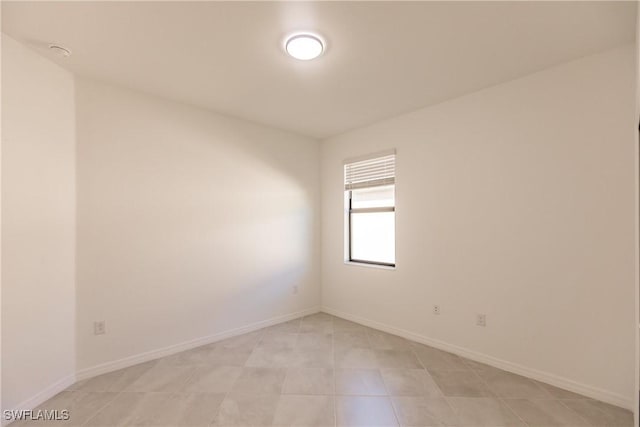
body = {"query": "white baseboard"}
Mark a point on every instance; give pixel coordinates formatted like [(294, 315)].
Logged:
[(187, 345), (42, 396), (104, 368), (552, 379)]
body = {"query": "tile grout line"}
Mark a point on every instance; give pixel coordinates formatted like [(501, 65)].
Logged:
[(427, 371), (501, 400), (333, 370), (505, 401), (118, 394), (99, 409), (453, 410), (226, 394), (551, 397), (498, 398), (574, 411), (393, 408)]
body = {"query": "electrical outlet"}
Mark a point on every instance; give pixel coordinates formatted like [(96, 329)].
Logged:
[(436, 309), (99, 327), (481, 319), (295, 289)]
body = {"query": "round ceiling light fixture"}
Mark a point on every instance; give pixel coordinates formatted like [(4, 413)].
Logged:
[(304, 46)]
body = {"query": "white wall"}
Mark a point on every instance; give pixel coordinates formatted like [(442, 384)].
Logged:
[(189, 223), (636, 406), (516, 201), (38, 225)]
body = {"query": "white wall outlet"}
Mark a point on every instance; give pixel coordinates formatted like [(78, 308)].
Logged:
[(99, 327), (436, 309), (295, 289), (481, 319)]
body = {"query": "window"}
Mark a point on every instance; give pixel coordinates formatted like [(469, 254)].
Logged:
[(369, 186)]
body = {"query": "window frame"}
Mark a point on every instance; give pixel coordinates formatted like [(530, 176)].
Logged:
[(351, 211)]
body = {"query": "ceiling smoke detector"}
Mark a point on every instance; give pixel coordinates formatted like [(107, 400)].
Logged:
[(60, 50)]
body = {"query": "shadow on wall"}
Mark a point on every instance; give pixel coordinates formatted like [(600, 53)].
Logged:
[(187, 219)]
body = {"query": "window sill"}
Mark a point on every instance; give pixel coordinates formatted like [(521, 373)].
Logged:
[(364, 264)]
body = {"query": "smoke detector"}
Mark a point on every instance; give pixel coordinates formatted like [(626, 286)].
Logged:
[(60, 50)]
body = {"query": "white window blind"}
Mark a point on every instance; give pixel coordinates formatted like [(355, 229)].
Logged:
[(370, 172)]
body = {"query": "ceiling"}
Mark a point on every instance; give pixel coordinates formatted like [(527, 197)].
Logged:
[(382, 58)]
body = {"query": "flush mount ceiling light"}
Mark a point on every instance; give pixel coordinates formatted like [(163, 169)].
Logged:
[(60, 50), (304, 46)]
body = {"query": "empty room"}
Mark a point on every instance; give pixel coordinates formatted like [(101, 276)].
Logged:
[(319, 213)]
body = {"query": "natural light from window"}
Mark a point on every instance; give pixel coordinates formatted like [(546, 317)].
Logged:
[(373, 233), (370, 207)]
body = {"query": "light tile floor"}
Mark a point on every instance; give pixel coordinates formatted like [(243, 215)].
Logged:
[(322, 371)]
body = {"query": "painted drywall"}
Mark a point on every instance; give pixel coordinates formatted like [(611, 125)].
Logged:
[(38, 225), (636, 406), (517, 202), (189, 223), (1, 405)]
